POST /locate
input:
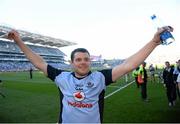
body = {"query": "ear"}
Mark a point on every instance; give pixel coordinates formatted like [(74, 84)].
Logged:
[(71, 63)]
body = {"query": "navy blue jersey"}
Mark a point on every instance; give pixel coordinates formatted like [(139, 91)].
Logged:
[(82, 100)]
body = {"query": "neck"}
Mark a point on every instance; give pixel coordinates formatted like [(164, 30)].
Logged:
[(79, 75)]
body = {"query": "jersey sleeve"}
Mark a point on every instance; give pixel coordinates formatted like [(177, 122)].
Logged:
[(53, 72), (108, 76)]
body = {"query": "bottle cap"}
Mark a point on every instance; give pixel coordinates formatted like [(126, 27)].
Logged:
[(153, 16)]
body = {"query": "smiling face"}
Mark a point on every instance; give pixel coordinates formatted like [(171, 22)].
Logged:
[(80, 61)]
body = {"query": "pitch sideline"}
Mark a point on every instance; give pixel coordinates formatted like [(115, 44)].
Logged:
[(118, 90)]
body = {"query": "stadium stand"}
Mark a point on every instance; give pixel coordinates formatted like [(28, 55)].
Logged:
[(104, 63), (12, 58), (99, 63)]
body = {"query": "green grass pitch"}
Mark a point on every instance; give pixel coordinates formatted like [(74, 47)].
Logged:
[(37, 100)]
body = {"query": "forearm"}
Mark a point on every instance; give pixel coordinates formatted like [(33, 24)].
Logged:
[(34, 58), (135, 60)]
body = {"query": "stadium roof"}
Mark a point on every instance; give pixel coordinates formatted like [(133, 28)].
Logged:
[(36, 38)]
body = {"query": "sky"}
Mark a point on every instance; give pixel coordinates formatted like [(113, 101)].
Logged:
[(114, 29)]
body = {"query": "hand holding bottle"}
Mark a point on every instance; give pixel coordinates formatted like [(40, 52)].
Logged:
[(165, 36), (158, 35)]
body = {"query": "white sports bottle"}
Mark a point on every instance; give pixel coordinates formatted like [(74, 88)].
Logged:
[(166, 37)]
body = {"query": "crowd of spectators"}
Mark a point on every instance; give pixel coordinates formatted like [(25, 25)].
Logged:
[(12, 58)]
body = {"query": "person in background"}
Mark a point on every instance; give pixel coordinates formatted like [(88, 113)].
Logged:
[(30, 73), (1, 85), (152, 72), (169, 83), (135, 75), (178, 81), (143, 84), (176, 73)]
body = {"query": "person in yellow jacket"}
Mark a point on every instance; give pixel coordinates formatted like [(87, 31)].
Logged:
[(135, 75), (143, 83)]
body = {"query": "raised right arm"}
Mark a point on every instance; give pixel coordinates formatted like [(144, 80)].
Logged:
[(34, 58)]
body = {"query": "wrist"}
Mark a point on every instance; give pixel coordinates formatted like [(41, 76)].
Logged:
[(155, 42), (18, 41)]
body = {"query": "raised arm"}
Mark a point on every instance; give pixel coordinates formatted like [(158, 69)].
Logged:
[(135, 60), (34, 58)]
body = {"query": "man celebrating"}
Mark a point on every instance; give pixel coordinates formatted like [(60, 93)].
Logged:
[(82, 91)]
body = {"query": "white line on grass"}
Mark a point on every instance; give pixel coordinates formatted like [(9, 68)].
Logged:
[(118, 90), (114, 86)]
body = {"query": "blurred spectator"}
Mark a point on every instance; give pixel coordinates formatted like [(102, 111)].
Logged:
[(1, 85), (169, 83), (135, 75), (178, 81), (152, 72), (30, 73), (143, 73), (176, 73)]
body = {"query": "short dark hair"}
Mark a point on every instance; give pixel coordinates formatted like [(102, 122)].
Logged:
[(144, 64), (83, 50), (167, 62)]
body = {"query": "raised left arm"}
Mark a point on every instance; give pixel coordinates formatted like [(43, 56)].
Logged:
[(135, 60)]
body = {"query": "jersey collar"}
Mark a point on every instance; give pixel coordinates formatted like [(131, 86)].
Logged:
[(73, 73)]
